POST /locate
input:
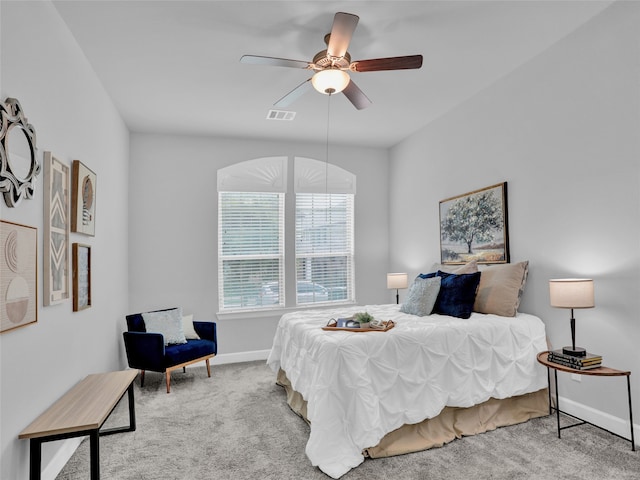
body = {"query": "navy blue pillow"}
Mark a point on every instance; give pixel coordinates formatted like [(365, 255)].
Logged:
[(428, 275), (457, 293)]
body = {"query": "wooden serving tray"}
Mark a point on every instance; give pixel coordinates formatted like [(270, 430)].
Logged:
[(389, 324)]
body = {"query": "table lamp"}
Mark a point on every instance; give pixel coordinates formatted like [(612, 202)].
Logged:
[(572, 293), (397, 281)]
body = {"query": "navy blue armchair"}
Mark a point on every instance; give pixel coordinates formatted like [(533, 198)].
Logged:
[(147, 351)]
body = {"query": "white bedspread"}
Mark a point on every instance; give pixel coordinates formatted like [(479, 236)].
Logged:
[(361, 386)]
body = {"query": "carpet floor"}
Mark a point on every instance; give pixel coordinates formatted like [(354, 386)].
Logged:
[(237, 425)]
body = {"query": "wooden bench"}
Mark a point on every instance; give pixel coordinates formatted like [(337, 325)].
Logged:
[(80, 412)]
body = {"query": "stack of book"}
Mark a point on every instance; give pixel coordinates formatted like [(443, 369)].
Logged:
[(587, 362)]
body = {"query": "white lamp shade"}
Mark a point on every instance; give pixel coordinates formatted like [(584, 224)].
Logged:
[(571, 293), (332, 80), (397, 280)]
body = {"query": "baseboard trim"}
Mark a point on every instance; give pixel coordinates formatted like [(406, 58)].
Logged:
[(616, 425), (240, 357)]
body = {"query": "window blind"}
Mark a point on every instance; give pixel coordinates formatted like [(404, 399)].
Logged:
[(324, 248), (250, 250)]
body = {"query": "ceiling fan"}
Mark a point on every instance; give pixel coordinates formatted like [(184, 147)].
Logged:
[(331, 65)]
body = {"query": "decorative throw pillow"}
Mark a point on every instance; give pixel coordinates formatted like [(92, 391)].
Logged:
[(501, 288), (422, 296), (457, 293), (189, 330), (166, 322), (470, 267)]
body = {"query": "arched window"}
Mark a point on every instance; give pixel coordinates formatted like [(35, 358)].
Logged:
[(251, 226)]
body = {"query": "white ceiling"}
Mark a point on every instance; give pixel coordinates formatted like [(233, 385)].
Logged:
[(173, 66)]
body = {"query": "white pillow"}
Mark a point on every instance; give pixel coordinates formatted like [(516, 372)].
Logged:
[(189, 330), (166, 322)]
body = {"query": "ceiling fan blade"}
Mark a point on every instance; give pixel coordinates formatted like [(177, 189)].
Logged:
[(356, 96), (273, 61), (294, 94), (344, 24), (390, 63)]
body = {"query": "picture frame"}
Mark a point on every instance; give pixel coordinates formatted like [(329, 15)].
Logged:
[(475, 226), (81, 276), (57, 189), (83, 201), (18, 275)]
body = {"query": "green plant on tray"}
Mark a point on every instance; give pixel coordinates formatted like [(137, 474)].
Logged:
[(362, 317)]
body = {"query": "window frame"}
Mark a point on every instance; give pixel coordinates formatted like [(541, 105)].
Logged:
[(223, 257)]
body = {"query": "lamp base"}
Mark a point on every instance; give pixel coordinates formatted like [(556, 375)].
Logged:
[(574, 351)]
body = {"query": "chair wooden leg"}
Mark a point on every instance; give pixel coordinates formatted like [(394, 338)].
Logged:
[(141, 378), (208, 367), (168, 375)]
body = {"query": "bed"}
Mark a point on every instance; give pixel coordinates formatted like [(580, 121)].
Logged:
[(428, 380)]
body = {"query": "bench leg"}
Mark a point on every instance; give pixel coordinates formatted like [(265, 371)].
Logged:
[(94, 448), (35, 459), (141, 378), (168, 375), (208, 367)]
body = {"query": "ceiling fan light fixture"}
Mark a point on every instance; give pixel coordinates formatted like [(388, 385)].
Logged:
[(331, 80)]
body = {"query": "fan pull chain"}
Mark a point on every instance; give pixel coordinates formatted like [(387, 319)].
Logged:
[(327, 211), (326, 163)]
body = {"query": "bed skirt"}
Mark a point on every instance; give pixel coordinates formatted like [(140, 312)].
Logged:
[(449, 424)]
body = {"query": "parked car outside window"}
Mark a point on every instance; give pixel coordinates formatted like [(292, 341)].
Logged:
[(307, 292)]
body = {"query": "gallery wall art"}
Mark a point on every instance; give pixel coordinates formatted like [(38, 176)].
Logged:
[(83, 216), (474, 226), (18, 275), (81, 276), (19, 166), (56, 230)]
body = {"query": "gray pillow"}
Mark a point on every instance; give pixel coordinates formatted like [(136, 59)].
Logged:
[(422, 296), (168, 323)]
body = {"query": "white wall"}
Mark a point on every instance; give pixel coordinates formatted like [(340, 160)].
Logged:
[(44, 69), (173, 227), (563, 131)]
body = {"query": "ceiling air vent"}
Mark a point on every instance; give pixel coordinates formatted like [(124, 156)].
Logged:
[(280, 115)]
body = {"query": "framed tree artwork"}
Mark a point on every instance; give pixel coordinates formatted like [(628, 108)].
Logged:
[(83, 216), (474, 226), (56, 230), (81, 276), (18, 275)]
